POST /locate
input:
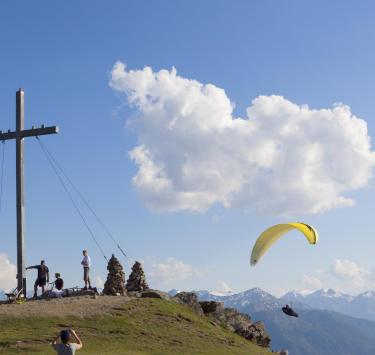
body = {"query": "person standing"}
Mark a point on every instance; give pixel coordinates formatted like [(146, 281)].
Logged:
[(66, 347), (43, 277), (86, 263)]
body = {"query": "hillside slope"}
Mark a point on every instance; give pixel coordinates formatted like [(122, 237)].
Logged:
[(117, 325), (318, 332)]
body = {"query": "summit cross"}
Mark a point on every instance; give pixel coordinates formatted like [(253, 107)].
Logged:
[(19, 134)]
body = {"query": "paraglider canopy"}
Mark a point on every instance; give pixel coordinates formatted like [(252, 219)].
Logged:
[(272, 234)]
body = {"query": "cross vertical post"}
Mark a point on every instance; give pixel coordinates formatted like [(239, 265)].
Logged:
[(18, 135), (20, 206)]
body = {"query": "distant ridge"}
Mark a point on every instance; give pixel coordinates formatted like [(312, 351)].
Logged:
[(360, 306), (316, 331)]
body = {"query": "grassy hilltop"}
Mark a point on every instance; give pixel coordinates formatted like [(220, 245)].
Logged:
[(116, 325)]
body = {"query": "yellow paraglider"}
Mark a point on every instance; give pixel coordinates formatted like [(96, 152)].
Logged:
[(272, 234)]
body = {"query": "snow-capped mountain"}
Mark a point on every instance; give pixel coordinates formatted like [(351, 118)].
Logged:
[(367, 294), (316, 331), (252, 300), (326, 293), (363, 305), (360, 306), (293, 296), (256, 300)]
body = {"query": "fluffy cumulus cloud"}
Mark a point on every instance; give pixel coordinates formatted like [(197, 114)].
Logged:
[(172, 271), (343, 275), (348, 270), (222, 289), (8, 272), (312, 282), (282, 158)]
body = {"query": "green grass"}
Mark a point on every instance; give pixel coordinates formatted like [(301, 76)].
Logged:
[(142, 326)]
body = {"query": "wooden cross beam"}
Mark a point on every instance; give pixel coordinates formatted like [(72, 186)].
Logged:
[(19, 134)]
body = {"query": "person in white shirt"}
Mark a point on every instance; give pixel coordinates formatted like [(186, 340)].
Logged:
[(86, 263)]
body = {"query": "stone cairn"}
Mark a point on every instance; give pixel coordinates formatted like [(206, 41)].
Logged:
[(137, 279), (115, 284)]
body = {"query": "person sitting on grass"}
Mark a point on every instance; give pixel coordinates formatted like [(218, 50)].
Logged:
[(58, 285), (66, 347), (59, 282)]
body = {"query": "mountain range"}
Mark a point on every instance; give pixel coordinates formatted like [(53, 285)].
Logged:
[(360, 306), (321, 328)]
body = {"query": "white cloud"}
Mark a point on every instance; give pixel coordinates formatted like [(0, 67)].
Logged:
[(8, 272), (343, 275), (99, 282), (348, 270), (279, 292), (282, 158), (222, 288), (310, 283), (171, 271)]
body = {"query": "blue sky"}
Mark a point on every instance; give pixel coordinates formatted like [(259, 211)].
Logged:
[(311, 53)]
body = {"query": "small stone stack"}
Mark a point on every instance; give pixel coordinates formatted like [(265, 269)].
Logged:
[(115, 284), (137, 279)]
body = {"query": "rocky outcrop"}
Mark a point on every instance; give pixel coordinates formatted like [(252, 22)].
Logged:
[(237, 322), (229, 317), (190, 299), (256, 333), (137, 279), (115, 283), (155, 294), (211, 306)]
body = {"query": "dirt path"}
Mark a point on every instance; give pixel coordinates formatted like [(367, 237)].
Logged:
[(68, 306)]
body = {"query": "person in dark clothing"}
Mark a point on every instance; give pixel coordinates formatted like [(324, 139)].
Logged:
[(43, 277), (59, 282), (66, 347), (289, 311)]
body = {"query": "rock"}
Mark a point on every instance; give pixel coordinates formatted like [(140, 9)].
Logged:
[(137, 279), (155, 294), (211, 306), (237, 322), (256, 333), (115, 283), (189, 299), (135, 294), (215, 311)]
